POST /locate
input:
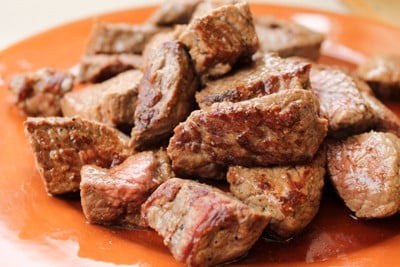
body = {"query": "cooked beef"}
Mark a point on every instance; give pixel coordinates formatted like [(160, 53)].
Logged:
[(114, 196), (174, 12), (62, 145), (281, 128), (117, 38), (158, 39), (112, 102), (98, 68), (364, 169), (290, 194), (39, 93), (220, 39), (268, 75), (166, 95), (287, 38), (201, 225), (382, 73), (341, 99)]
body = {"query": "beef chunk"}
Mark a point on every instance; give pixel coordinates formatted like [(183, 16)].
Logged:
[(112, 102), (383, 75), (39, 93), (287, 38), (166, 95), (117, 38), (98, 68), (201, 225), (220, 39), (364, 169), (174, 12), (386, 120), (114, 196), (290, 194), (342, 101), (158, 39), (280, 128), (62, 145), (268, 75)]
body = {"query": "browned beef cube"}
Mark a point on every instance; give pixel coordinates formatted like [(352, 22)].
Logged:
[(117, 38), (220, 39), (386, 120), (280, 128), (382, 73), (342, 101), (201, 225), (364, 169), (287, 38), (166, 95), (269, 74), (98, 68), (289, 194), (62, 145), (39, 93), (158, 39), (114, 196), (112, 102), (174, 12)]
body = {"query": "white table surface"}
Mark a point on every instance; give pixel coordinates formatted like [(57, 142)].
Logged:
[(22, 18)]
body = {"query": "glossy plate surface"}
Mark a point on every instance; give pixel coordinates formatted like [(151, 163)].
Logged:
[(39, 230)]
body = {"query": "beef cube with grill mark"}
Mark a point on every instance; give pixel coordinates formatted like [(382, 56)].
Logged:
[(267, 75), (382, 73), (39, 93), (342, 101), (101, 67), (117, 38), (364, 169), (174, 12), (114, 196), (290, 194), (112, 102), (166, 95), (61, 146), (287, 38), (201, 225), (220, 39), (280, 128)]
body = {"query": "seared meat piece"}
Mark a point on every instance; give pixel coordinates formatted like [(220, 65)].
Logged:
[(287, 38), (201, 225), (364, 169), (166, 95), (39, 93), (268, 75), (62, 145), (383, 74), (290, 194), (174, 12), (341, 99), (117, 38), (386, 120), (112, 102), (158, 39), (220, 39), (280, 128), (114, 196), (98, 68)]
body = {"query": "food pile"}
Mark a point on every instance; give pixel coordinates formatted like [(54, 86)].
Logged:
[(203, 92)]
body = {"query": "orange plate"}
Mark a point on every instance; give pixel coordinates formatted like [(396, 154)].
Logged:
[(39, 230)]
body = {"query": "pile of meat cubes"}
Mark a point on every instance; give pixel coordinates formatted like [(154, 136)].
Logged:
[(204, 92)]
